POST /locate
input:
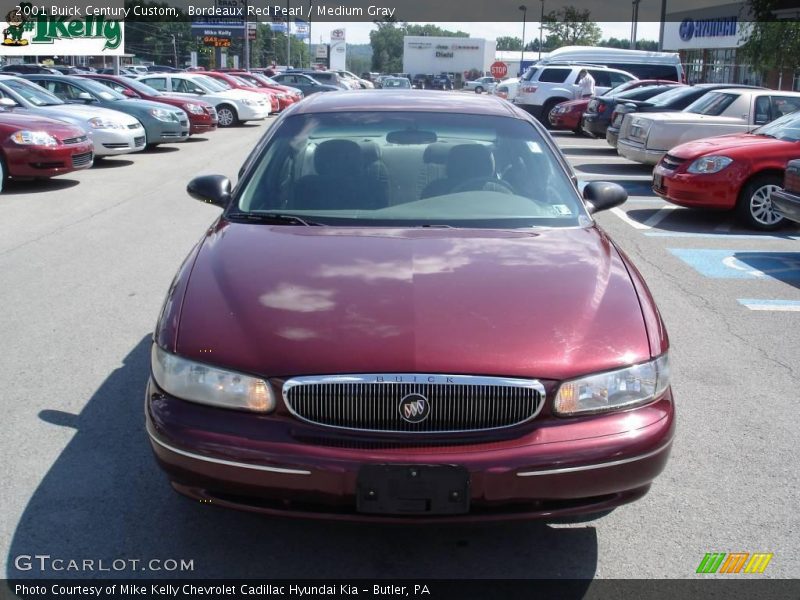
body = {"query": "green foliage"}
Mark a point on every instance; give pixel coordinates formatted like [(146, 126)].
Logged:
[(572, 27), (769, 44), (625, 44), (150, 38), (509, 43)]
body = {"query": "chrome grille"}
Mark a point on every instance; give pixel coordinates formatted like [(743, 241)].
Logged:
[(80, 160), (671, 162), (75, 140), (457, 403), (134, 126)]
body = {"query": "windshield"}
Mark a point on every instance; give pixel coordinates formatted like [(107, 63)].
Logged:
[(215, 85), (101, 90), (712, 104), (142, 88), (397, 83), (31, 93), (411, 169), (785, 128), (670, 96), (242, 81)]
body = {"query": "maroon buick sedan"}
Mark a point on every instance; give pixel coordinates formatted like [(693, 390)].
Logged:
[(406, 312)]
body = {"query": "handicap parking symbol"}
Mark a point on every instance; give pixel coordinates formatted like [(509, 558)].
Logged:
[(742, 264)]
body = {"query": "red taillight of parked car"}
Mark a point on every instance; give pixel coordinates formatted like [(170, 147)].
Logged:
[(601, 107)]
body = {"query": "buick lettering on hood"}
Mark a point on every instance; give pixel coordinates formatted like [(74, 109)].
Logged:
[(406, 312)]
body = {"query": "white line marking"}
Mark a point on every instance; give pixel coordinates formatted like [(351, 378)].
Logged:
[(773, 307), (659, 215), (623, 215)]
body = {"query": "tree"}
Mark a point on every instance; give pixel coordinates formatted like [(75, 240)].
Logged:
[(769, 43), (613, 42), (509, 43), (572, 27)]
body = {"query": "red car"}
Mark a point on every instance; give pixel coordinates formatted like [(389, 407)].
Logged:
[(237, 84), (348, 342), (286, 95), (202, 115), (34, 147), (732, 172), (568, 115)]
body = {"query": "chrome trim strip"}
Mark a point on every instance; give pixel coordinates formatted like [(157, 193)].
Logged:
[(614, 463), (412, 378), (227, 463)]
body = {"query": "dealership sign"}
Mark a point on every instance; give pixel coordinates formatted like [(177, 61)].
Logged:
[(29, 34), (721, 27)]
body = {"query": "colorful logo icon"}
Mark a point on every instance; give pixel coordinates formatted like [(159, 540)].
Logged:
[(735, 562)]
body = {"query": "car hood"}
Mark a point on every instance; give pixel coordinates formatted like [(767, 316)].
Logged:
[(84, 112), (139, 106), (289, 300), (740, 143), (25, 119)]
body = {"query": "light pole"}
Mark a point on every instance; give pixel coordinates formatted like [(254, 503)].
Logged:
[(524, 10), (174, 52), (246, 39), (634, 21), (541, 29)]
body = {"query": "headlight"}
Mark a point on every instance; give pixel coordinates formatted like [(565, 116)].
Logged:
[(613, 390), (100, 123), (34, 138), (205, 384), (248, 102), (709, 164), (195, 109), (161, 114)]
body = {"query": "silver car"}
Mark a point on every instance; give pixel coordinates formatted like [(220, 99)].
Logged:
[(112, 132)]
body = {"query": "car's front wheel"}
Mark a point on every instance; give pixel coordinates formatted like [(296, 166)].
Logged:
[(226, 116), (479, 90), (754, 208)]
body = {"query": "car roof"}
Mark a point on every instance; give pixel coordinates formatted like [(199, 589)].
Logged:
[(419, 101)]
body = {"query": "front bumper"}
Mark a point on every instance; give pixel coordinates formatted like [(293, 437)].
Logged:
[(639, 153), (254, 112), (712, 191), (787, 204), (111, 142), (35, 161), (202, 123), (564, 120), (276, 464), (164, 132)]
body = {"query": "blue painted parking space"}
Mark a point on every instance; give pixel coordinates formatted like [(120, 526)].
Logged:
[(741, 264)]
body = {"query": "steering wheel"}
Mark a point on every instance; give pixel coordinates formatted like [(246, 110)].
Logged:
[(484, 183)]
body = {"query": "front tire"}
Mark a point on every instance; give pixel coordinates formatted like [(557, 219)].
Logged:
[(479, 90), (226, 116), (548, 106), (754, 208)]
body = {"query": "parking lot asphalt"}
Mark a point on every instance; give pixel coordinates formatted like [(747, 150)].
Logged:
[(85, 262)]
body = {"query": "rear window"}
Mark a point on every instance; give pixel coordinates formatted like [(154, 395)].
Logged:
[(676, 96), (712, 104), (650, 71)]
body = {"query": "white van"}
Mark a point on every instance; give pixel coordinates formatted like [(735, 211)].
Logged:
[(643, 64)]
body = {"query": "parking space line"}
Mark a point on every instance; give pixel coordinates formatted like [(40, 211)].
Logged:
[(659, 215), (718, 236), (624, 216), (771, 305)]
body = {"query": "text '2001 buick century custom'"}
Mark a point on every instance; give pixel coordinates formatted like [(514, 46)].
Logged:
[(406, 311)]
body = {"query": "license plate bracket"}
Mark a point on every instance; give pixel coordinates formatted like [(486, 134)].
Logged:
[(412, 490)]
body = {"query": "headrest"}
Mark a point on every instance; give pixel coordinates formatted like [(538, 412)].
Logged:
[(370, 151), (436, 153), (336, 158), (469, 161)]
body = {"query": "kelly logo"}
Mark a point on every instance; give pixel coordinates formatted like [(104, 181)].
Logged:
[(735, 562), (42, 28)]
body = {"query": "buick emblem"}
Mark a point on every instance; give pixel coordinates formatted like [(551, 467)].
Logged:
[(414, 408)]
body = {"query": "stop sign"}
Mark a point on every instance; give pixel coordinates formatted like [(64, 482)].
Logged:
[(499, 69)]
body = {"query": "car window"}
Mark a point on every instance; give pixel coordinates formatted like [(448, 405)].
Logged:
[(100, 90), (648, 71), (157, 83), (601, 78), (184, 86), (784, 105), (62, 89), (762, 110), (712, 104), (212, 84), (468, 170), (553, 75), (676, 95), (618, 78), (31, 92)]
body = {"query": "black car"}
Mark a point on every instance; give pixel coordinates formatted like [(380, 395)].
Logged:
[(443, 81), (598, 113), (163, 69), (422, 82), (672, 100), (29, 69)]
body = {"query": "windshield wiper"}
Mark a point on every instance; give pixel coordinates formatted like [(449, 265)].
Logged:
[(272, 218)]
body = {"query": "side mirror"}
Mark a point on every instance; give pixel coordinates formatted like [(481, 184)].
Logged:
[(129, 93), (602, 195), (211, 189), (199, 92), (85, 97), (7, 103)]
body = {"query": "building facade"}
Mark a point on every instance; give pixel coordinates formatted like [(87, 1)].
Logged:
[(433, 55)]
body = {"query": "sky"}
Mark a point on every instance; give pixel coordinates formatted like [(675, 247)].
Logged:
[(358, 33)]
